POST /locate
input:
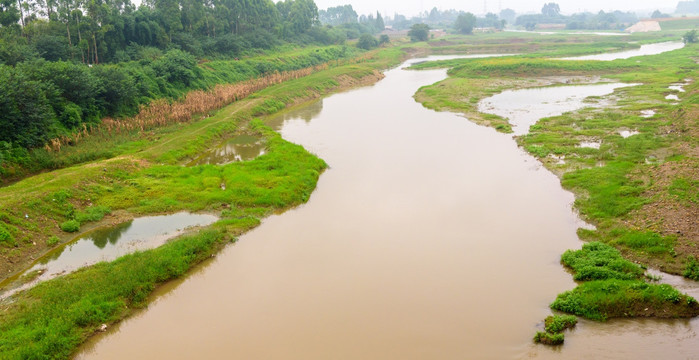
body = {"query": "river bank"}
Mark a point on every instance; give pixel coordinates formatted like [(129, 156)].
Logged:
[(148, 179)]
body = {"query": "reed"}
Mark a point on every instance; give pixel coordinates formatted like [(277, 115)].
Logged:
[(162, 112)]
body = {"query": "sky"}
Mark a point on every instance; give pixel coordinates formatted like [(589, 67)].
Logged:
[(413, 7)]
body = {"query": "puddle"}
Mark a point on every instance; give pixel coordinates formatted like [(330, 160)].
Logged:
[(627, 133), (590, 144), (106, 244), (647, 113), (649, 49), (523, 108), (237, 148), (560, 160), (672, 97), (677, 87)]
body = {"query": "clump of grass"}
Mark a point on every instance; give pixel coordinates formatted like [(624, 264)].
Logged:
[(92, 213), (557, 323), (547, 338), (604, 299), (691, 270), (614, 287), (597, 261), (70, 226), (53, 240), (6, 237)]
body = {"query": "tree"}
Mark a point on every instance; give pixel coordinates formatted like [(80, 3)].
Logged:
[(508, 15), (380, 26), (465, 23), (690, 37), (658, 15), (551, 10), (419, 32), (384, 39), (367, 42), (9, 15)]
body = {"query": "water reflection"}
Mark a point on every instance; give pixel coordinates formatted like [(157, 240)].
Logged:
[(105, 244), (305, 113), (237, 148)]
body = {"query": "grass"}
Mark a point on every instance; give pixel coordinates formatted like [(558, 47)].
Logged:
[(598, 261), (604, 299), (614, 287), (554, 326)]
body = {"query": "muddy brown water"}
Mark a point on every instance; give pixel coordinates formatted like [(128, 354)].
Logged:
[(429, 237)]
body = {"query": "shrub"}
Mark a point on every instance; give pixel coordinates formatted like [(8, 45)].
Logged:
[(70, 226), (53, 240), (367, 42)]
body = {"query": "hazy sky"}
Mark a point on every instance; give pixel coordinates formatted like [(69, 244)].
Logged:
[(412, 7)]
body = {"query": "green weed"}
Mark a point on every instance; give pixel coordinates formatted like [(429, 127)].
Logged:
[(70, 226)]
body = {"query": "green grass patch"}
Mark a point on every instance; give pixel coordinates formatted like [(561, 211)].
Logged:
[(6, 238), (547, 338), (557, 323), (686, 190), (611, 192), (691, 270), (604, 299), (596, 261)]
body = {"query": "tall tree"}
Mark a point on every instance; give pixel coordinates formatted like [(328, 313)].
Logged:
[(9, 14), (380, 26), (465, 23), (551, 10)]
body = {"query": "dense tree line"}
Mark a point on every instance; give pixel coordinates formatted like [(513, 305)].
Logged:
[(98, 31), (551, 14), (66, 64)]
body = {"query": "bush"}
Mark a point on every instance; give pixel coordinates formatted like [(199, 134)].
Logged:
[(177, 66), (367, 42), (419, 32), (70, 226)]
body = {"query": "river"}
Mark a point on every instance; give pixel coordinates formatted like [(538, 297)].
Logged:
[(429, 237)]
